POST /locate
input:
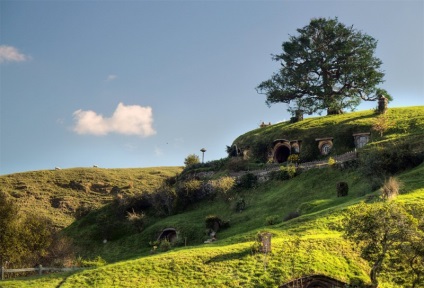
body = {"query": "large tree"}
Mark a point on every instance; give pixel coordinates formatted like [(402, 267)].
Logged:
[(328, 66)]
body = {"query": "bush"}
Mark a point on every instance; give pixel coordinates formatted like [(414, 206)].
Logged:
[(291, 215), (342, 189), (240, 205), (191, 159), (164, 245), (237, 164), (137, 219), (390, 188), (223, 186), (381, 162), (164, 200), (247, 181), (287, 172), (188, 192), (215, 223), (96, 262), (272, 220)]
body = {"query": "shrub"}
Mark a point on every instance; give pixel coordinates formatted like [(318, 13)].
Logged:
[(215, 223), (164, 200), (390, 188), (294, 159), (381, 162), (247, 181), (191, 159), (96, 262), (223, 186), (342, 189), (288, 171), (164, 245), (331, 161), (137, 219), (240, 205), (236, 164), (272, 220), (291, 215)]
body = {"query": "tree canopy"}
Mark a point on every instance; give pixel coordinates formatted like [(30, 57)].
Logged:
[(390, 238), (328, 66)]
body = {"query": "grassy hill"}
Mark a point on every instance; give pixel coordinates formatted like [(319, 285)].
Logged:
[(405, 123), (309, 244), (62, 195)]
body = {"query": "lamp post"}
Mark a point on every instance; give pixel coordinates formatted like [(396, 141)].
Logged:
[(203, 150)]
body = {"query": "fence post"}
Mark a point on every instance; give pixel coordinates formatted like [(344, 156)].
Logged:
[(2, 273), (40, 269)]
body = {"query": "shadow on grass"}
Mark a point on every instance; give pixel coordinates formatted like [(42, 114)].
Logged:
[(229, 256)]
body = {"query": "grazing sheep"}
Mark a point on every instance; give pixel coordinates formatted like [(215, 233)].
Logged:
[(57, 168)]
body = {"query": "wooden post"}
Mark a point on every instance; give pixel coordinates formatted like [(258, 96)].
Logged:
[(2, 273), (40, 269)]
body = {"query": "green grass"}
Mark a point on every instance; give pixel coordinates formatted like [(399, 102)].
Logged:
[(407, 124), (37, 191), (309, 244)]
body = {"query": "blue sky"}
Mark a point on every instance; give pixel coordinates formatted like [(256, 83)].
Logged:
[(146, 83)]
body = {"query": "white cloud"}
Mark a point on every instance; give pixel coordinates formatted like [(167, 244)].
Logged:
[(11, 54), (111, 77), (127, 120)]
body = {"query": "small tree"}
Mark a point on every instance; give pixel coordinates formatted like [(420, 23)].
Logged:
[(380, 229), (191, 160), (381, 124)]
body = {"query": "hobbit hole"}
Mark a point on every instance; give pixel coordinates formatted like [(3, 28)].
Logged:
[(325, 145), (361, 139), (282, 151), (284, 148), (169, 234)]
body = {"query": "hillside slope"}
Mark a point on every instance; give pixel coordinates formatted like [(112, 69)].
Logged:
[(62, 195), (404, 123), (309, 243)]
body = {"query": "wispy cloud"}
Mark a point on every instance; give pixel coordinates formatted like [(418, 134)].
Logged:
[(11, 54), (111, 77), (127, 120), (158, 151)]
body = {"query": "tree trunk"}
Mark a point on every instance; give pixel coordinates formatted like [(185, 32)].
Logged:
[(334, 111), (375, 270)]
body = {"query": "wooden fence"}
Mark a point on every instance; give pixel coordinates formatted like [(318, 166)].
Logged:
[(38, 269)]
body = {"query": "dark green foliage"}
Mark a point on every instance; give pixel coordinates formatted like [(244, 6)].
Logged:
[(240, 205), (272, 220), (342, 189), (237, 164), (319, 70), (215, 223), (285, 173), (191, 160), (259, 149), (189, 192), (214, 165), (247, 181), (291, 215), (26, 240), (389, 159)]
